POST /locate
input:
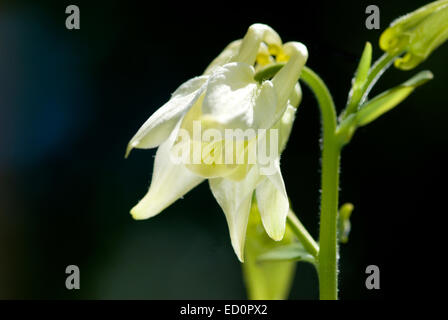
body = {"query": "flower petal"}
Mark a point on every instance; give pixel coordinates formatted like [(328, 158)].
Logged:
[(169, 182), (251, 42), (235, 199), (224, 57), (285, 126), (273, 204), (235, 101), (159, 126), (285, 80), (295, 96)]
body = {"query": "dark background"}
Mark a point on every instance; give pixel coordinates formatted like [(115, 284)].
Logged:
[(70, 100)]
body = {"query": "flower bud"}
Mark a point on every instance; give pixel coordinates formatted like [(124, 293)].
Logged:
[(417, 34)]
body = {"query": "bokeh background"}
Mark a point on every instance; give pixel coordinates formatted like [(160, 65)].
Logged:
[(71, 99)]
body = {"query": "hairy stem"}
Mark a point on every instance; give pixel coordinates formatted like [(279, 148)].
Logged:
[(328, 252)]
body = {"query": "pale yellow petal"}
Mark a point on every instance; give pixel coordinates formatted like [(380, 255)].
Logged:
[(235, 199), (235, 101), (224, 57), (285, 80), (170, 181), (273, 204)]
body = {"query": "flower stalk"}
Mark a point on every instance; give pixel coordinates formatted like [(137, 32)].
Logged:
[(328, 252), (302, 234)]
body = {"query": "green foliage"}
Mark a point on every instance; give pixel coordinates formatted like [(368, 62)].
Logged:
[(390, 99), (291, 252), (359, 81)]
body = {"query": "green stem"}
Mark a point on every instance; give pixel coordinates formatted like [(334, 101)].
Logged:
[(302, 234), (328, 252), (328, 268)]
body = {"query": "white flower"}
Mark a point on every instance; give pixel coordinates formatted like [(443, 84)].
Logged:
[(227, 96)]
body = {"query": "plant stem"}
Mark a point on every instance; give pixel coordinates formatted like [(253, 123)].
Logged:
[(302, 234), (328, 255), (328, 252)]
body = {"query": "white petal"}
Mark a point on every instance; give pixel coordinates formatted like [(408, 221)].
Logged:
[(159, 126), (272, 142), (295, 96), (251, 42), (285, 123), (169, 182), (224, 57), (235, 199), (235, 101), (273, 204), (285, 126), (286, 79)]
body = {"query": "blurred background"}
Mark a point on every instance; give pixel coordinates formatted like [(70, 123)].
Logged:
[(70, 100)]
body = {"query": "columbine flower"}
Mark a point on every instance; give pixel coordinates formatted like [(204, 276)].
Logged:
[(418, 34), (225, 97)]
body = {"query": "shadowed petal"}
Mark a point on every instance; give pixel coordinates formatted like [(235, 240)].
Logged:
[(273, 204), (235, 199)]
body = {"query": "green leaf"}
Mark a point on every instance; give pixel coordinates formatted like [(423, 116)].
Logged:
[(364, 65), (359, 80), (292, 252), (265, 280), (389, 99)]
